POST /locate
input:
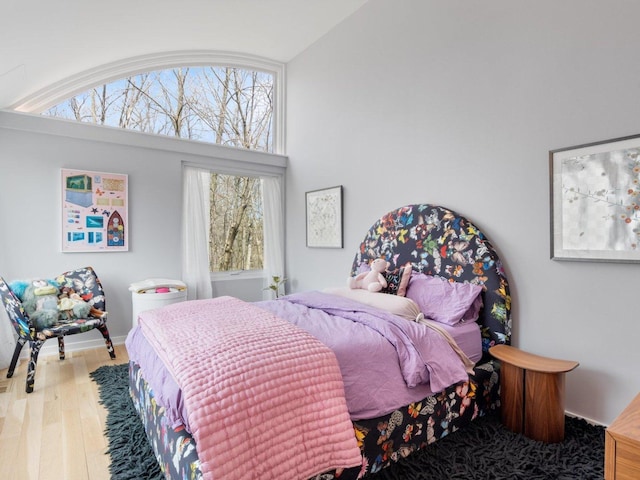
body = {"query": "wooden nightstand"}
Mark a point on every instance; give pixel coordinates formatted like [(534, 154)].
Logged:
[(532, 393), (622, 445)]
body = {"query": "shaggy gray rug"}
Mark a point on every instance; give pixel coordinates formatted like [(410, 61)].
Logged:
[(131, 455), (484, 450), (487, 450)]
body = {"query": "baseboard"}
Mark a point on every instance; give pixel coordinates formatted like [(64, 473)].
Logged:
[(51, 346), (586, 419)]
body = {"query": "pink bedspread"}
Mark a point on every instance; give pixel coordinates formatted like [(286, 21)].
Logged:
[(229, 358)]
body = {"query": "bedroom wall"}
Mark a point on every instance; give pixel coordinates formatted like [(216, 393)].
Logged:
[(458, 103), (33, 149)]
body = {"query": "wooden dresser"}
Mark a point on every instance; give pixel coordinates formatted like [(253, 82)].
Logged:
[(622, 445)]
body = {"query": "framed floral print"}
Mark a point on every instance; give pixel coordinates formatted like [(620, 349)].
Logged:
[(595, 201)]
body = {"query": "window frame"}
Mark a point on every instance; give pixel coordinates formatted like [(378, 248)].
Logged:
[(64, 89), (246, 167)]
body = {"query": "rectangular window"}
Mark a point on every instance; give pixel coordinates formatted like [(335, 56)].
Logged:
[(236, 231), (233, 226)]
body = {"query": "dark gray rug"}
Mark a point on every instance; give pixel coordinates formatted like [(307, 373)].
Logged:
[(483, 451), (487, 450), (131, 455)]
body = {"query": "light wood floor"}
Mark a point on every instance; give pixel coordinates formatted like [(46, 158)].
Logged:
[(56, 432)]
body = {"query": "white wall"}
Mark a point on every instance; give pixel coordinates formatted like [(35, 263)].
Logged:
[(458, 103), (33, 149)]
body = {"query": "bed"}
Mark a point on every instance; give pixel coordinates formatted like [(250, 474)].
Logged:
[(435, 245)]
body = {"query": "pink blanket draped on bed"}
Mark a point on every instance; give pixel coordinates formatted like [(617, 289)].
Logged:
[(231, 358)]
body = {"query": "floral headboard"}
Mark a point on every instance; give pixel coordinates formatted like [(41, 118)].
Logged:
[(439, 242)]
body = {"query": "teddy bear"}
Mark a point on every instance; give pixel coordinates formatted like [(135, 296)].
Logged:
[(372, 280), (39, 299)]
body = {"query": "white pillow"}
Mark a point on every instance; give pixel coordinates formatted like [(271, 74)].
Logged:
[(401, 306)]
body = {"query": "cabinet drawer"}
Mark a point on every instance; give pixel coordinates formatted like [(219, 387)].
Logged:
[(627, 461)]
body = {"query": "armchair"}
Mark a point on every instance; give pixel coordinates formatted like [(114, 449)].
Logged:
[(83, 281)]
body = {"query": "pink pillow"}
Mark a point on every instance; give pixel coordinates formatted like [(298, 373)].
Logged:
[(405, 278), (444, 301)]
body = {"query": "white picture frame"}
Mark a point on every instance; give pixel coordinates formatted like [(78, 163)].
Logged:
[(94, 211)]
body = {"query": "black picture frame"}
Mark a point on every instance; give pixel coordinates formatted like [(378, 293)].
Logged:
[(595, 201)]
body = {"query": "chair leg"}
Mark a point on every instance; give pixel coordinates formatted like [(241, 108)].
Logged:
[(107, 340), (31, 370), (16, 355), (61, 348)]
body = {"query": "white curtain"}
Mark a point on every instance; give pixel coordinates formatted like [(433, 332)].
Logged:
[(273, 204), (7, 340), (195, 232)]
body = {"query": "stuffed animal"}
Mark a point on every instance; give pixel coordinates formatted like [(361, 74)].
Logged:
[(72, 306), (40, 301), (47, 304), (372, 280)]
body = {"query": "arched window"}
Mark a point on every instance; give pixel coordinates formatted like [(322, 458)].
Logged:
[(66, 98), (228, 106)]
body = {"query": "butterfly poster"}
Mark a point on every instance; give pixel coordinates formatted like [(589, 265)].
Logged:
[(94, 211)]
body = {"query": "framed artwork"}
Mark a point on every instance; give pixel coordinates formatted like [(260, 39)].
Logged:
[(595, 201), (94, 211), (324, 217)]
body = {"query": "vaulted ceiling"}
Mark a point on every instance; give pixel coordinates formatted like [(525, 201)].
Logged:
[(44, 42)]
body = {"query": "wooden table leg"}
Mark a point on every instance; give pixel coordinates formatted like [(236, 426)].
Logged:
[(544, 406), (512, 397)]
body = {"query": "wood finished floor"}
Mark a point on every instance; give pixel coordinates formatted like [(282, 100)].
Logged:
[(56, 432)]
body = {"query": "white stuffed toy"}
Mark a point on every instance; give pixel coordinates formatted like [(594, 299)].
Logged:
[(372, 280)]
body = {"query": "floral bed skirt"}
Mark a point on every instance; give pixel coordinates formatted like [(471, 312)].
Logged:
[(382, 440)]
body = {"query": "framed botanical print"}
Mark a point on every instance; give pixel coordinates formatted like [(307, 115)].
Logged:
[(324, 217), (595, 201)]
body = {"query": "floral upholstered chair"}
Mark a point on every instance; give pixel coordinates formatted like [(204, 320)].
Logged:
[(86, 284)]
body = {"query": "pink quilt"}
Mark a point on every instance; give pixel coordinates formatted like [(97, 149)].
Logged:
[(264, 398)]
